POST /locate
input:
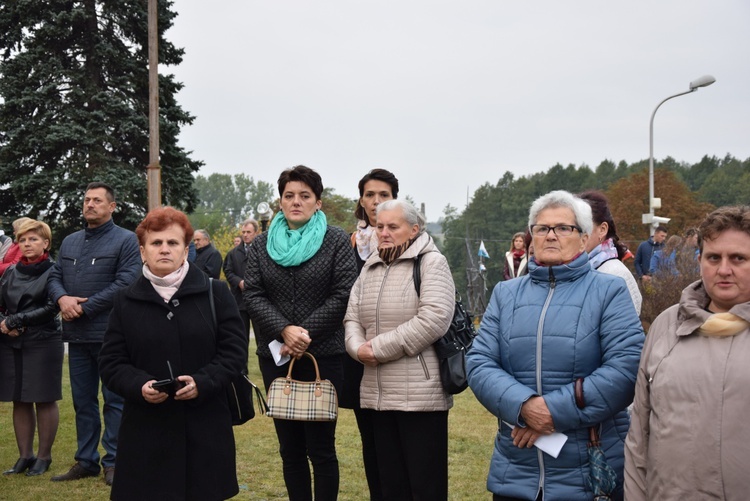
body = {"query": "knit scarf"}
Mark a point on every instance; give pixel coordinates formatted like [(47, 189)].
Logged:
[(289, 247), (166, 286), (723, 325), (366, 238), (602, 252), (390, 254)]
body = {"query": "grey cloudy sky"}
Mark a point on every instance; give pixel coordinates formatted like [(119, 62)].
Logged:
[(451, 94)]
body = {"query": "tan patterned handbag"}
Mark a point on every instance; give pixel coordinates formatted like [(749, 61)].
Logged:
[(302, 400)]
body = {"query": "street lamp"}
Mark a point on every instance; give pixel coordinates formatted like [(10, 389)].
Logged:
[(265, 213), (655, 203)]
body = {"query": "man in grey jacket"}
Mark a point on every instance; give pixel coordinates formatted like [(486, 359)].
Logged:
[(92, 265)]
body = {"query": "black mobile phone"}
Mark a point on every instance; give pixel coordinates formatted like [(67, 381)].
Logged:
[(168, 386)]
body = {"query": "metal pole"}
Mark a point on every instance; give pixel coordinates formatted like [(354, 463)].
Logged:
[(154, 169), (651, 158)]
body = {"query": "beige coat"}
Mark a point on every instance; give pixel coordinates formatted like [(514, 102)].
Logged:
[(689, 436), (384, 308)]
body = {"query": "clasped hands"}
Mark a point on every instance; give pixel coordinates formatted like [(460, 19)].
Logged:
[(11, 332), (296, 341), (70, 307), (538, 421)]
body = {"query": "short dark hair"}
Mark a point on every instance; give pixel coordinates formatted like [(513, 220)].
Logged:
[(377, 175), (736, 217), (301, 174), (98, 184), (661, 228), (162, 218)]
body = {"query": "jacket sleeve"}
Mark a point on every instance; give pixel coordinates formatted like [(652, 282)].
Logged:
[(36, 316), (609, 388), (265, 315), (327, 318), (437, 301), (128, 269), (640, 254), (213, 264), (355, 333), (230, 357), (233, 279), (636, 443), (506, 269), (499, 392)]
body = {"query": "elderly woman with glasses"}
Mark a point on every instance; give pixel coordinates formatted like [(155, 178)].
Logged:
[(540, 334)]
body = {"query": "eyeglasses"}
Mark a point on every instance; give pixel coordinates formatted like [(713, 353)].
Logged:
[(561, 230)]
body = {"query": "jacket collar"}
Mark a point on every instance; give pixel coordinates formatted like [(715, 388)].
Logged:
[(561, 273), (421, 245), (195, 282), (692, 310), (90, 232)]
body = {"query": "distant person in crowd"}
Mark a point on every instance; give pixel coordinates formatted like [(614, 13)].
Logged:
[(208, 258), (604, 248), (664, 260), (92, 265), (561, 322), (646, 251), (13, 253), (689, 435), (376, 187), (176, 442), (31, 349), (390, 329), (234, 268), (236, 241), (516, 259), (5, 243), (297, 285)]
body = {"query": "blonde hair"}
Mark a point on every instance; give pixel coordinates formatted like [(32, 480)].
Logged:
[(34, 226)]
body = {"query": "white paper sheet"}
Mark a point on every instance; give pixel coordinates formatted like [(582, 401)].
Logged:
[(551, 444), (275, 348)]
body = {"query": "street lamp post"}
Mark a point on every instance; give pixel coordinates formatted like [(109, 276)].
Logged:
[(655, 203)]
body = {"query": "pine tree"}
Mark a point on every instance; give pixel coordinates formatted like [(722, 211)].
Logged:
[(74, 109)]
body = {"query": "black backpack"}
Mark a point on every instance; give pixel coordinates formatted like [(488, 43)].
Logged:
[(452, 347)]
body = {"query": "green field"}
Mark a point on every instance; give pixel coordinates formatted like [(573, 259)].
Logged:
[(472, 431)]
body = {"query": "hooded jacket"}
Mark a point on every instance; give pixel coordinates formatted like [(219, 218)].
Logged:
[(689, 436), (384, 308), (539, 334)]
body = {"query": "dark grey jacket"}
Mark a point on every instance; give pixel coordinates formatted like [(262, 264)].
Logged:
[(208, 260), (235, 263), (313, 295), (94, 263)]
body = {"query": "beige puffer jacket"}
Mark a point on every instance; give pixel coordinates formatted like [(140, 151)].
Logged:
[(384, 308), (689, 435)]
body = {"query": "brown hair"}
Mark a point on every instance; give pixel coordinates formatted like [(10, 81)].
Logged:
[(377, 175), (522, 236), (735, 217), (162, 218)]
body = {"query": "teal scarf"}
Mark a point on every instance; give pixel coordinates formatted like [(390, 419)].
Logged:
[(289, 247)]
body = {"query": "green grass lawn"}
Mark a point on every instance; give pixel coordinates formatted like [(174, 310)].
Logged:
[(471, 434)]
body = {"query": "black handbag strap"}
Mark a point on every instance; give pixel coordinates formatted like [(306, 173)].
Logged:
[(417, 274), (211, 300)]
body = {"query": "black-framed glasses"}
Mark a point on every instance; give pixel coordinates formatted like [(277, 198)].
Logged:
[(561, 230)]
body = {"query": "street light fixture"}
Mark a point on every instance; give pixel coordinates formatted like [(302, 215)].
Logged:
[(655, 203)]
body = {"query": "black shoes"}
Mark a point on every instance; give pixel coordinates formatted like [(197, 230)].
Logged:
[(21, 466), (40, 466), (109, 475), (76, 472)]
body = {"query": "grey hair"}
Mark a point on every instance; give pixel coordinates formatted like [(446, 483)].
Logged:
[(204, 233), (411, 214), (252, 222), (561, 198)]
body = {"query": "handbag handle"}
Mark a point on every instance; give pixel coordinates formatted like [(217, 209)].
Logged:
[(288, 384)]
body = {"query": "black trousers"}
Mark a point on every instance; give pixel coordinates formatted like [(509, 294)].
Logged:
[(412, 452), (300, 441), (369, 457)]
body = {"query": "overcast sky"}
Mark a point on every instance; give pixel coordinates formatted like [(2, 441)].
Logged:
[(451, 94)]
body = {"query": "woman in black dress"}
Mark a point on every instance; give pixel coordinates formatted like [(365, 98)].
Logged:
[(31, 350)]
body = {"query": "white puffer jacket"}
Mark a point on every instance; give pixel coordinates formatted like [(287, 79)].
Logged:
[(384, 308)]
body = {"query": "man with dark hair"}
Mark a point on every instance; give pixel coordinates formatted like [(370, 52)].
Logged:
[(92, 265), (234, 267), (207, 258), (646, 251)]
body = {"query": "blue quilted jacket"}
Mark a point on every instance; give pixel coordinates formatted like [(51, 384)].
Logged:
[(557, 324), (94, 263)]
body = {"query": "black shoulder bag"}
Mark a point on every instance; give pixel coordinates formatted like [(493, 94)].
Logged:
[(240, 390), (452, 347)]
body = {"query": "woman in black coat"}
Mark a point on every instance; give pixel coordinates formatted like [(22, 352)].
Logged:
[(31, 349), (176, 442), (297, 286)]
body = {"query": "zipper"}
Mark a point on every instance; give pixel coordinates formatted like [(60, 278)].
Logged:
[(424, 366), (377, 333), (539, 332)]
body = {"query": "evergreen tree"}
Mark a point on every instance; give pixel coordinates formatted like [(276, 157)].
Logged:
[(74, 109)]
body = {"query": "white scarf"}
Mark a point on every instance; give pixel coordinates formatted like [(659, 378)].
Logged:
[(723, 325), (166, 286), (367, 240)]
